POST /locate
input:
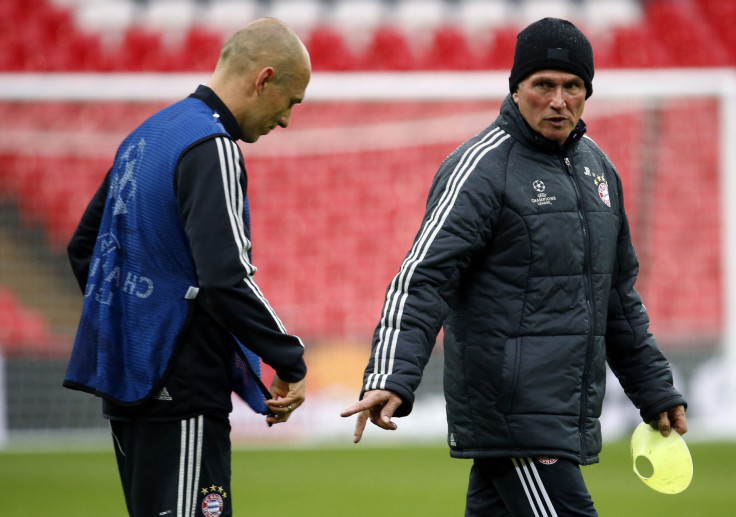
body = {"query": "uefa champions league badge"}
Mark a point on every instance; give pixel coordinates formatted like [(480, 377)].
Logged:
[(213, 501)]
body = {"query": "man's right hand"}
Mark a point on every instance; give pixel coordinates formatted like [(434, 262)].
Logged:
[(376, 405)]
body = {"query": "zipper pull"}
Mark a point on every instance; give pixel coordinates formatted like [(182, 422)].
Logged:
[(569, 165)]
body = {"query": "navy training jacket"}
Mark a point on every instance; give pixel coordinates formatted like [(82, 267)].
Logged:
[(525, 256)]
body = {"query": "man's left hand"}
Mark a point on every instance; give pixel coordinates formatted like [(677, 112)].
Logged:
[(287, 396), (673, 418)]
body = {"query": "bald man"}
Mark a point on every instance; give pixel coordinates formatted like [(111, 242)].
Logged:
[(173, 322)]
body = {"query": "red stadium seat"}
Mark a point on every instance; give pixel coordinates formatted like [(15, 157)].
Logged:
[(11, 10), (33, 329), (721, 16), (500, 54), (8, 175), (11, 42), (82, 52), (682, 28), (8, 301), (11, 56), (43, 30), (601, 49), (141, 50), (38, 35), (449, 50), (634, 47), (328, 51), (200, 50), (21, 329), (388, 50)]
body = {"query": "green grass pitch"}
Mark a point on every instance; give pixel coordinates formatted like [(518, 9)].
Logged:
[(354, 481)]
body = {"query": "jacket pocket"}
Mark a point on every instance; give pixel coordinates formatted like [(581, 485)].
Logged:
[(509, 375), (543, 375)]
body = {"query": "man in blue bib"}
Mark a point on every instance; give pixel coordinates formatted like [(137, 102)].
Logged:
[(173, 321)]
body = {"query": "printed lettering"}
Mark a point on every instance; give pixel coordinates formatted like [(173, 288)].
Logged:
[(100, 296), (123, 185), (148, 285), (113, 275), (140, 286), (129, 284)]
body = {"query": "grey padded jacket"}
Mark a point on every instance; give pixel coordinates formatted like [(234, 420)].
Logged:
[(525, 256)]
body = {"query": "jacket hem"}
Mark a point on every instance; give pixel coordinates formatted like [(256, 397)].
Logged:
[(486, 453)]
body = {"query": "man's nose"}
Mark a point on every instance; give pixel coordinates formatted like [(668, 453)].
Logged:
[(558, 98), (284, 120)]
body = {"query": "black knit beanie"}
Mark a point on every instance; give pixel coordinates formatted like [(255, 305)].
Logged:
[(555, 44)]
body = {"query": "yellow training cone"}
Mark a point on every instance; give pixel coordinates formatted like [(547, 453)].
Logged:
[(663, 463)]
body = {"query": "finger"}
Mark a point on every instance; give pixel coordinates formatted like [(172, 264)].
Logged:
[(357, 408), (387, 423), (278, 417), (383, 421), (360, 426), (390, 407), (678, 420), (381, 416), (291, 396), (281, 412), (663, 423), (289, 404), (274, 419), (680, 427)]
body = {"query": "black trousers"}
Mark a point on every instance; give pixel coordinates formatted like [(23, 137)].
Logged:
[(175, 469), (527, 487)]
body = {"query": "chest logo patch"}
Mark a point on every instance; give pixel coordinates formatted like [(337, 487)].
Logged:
[(600, 181), (542, 197), (603, 193)]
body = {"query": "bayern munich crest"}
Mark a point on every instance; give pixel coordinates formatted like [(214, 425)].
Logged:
[(213, 501), (603, 193), (546, 460), (600, 181)]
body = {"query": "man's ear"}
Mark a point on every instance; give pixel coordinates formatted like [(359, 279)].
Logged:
[(265, 75)]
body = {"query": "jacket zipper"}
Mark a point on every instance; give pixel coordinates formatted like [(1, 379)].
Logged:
[(588, 305)]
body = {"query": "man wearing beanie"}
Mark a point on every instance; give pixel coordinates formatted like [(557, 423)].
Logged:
[(525, 259)]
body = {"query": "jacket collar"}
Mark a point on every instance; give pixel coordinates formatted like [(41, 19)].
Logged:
[(210, 98), (511, 121)]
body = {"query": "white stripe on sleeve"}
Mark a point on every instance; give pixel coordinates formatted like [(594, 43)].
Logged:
[(231, 173), (383, 359)]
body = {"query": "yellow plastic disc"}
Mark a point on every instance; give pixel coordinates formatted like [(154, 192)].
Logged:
[(662, 463)]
